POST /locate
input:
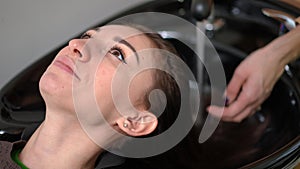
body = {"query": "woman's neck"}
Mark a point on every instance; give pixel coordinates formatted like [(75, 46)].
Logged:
[(60, 142)]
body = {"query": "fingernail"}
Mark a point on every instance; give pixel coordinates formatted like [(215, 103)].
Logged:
[(226, 101)]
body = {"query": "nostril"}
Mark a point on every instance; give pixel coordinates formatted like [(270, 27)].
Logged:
[(78, 52)]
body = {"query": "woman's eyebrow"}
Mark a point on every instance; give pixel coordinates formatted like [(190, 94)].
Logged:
[(97, 29), (123, 41)]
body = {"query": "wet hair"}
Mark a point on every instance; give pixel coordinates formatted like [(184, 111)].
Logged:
[(163, 81), (167, 84)]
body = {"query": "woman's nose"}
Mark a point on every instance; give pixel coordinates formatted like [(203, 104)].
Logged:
[(77, 49)]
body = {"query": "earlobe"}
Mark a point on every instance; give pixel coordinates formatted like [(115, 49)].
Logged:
[(144, 124)]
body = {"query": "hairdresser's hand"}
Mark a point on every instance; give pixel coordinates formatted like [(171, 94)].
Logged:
[(255, 77), (251, 84)]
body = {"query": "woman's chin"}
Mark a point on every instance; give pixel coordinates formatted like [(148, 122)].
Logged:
[(52, 85)]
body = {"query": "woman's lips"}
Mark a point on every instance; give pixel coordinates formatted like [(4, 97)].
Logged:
[(66, 64)]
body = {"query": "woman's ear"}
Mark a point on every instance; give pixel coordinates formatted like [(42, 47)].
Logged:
[(144, 123)]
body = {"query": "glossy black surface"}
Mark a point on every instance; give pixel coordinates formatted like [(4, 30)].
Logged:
[(269, 139)]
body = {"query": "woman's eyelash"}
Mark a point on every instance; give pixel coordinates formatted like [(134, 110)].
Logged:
[(118, 53), (86, 35)]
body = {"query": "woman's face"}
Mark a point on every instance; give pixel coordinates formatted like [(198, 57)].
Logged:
[(94, 59)]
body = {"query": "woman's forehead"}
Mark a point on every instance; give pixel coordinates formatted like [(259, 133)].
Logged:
[(119, 30), (123, 33)]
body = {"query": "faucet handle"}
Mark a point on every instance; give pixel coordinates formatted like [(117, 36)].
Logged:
[(201, 9)]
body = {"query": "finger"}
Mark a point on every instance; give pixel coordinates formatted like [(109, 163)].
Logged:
[(247, 112), (246, 103), (218, 111), (235, 108), (243, 115), (238, 110), (228, 112), (215, 111), (234, 87)]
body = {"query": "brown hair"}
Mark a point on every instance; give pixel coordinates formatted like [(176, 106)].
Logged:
[(164, 81)]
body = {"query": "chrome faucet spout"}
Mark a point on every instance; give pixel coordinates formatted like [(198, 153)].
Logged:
[(288, 20)]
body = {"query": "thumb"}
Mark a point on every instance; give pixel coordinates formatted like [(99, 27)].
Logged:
[(234, 87)]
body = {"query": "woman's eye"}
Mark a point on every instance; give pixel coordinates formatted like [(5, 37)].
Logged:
[(118, 54), (85, 36)]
